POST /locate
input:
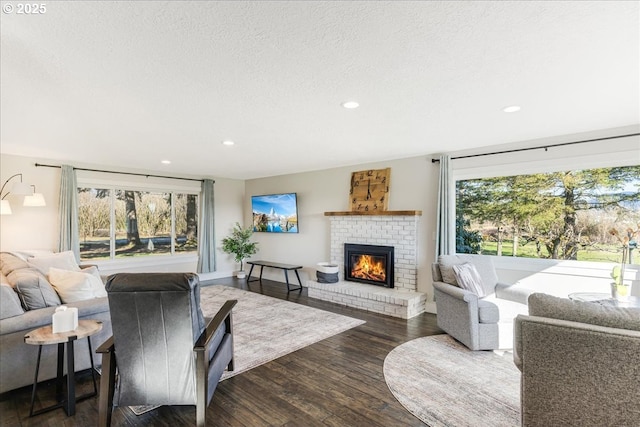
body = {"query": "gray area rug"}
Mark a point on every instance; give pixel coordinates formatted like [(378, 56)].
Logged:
[(265, 328), (443, 383)]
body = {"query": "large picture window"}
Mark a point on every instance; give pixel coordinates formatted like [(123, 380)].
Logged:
[(585, 215), (116, 223)]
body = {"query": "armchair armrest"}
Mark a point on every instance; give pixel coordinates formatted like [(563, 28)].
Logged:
[(455, 292), (213, 325), (107, 346)]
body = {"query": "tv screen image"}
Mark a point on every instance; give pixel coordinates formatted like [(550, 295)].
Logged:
[(275, 213)]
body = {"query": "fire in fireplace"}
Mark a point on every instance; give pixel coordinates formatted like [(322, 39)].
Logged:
[(369, 264)]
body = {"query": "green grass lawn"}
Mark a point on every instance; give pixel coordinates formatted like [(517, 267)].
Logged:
[(605, 254)]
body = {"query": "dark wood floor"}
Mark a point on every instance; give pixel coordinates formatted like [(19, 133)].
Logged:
[(336, 382)]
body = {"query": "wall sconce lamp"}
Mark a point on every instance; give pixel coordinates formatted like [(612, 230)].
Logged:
[(20, 189)]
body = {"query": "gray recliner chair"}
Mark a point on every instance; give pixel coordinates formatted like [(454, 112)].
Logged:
[(165, 352)]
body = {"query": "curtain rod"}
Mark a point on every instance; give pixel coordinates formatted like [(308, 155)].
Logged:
[(123, 173), (545, 147)]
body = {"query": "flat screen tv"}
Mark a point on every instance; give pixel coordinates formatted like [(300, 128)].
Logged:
[(275, 213)]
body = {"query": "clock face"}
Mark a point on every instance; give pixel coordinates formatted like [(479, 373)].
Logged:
[(370, 190)]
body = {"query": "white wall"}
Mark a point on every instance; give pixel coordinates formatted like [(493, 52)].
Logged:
[(37, 228)]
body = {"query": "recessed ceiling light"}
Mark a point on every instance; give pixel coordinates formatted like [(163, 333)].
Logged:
[(166, 162), (350, 104), (511, 109), (228, 142)]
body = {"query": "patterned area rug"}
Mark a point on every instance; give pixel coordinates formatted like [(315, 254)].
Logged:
[(265, 328), (445, 384)]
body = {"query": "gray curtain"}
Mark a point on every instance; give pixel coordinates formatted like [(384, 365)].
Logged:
[(446, 221), (206, 230), (68, 212)]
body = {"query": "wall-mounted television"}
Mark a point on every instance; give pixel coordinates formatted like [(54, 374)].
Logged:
[(275, 213)]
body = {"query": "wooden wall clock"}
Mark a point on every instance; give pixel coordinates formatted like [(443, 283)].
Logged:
[(370, 190)]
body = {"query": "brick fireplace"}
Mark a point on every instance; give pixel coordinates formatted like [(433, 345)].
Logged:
[(397, 229)]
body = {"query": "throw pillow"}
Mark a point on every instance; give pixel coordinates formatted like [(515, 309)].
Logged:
[(63, 261), (543, 305), (468, 278), (446, 263), (33, 289), (75, 286)]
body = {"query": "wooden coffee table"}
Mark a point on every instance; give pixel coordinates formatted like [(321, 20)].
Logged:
[(45, 336)]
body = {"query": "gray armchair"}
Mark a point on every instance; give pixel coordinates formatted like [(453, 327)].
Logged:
[(579, 363), (165, 352), (480, 321)]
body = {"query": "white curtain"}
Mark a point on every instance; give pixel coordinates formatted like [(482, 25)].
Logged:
[(446, 222), (69, 239), (206, 230)]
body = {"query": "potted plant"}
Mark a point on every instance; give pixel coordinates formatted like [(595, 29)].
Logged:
[(238, 245)]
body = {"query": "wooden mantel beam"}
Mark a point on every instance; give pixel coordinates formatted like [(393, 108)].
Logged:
[(374, 213)]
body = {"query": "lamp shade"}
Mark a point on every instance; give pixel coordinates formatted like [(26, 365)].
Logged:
[(6, 208), (37, 199), (21, 189)]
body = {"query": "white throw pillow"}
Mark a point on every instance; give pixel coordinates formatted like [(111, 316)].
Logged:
[(74, 286), (468, 278), (63, 261)]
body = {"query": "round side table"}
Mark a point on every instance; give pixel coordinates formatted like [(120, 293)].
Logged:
[(45, 336), (605, 299)]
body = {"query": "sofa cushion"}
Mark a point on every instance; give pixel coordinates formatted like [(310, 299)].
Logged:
[(33, 289), (10, 263), (9, 302), (468, 278), (74, 286), (543, 305), (493, 310), (63, 261)]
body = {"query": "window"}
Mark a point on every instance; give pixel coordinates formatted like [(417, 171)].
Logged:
[(585, 215), (117, 223)]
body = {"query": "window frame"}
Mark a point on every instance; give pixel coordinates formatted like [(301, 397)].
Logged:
[(137, 186), (539, 161)]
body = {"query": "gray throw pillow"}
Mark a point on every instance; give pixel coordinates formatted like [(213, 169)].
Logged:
[(9, 302), (543, 305), (468, 278), (33, 289), (446, 263)]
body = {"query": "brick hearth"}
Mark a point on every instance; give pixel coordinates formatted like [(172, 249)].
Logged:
[(386, 229)]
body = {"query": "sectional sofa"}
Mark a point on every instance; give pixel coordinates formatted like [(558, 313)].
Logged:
[(28, 301)]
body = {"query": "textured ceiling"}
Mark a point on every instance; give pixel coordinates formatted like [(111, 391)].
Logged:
[(128, 84)]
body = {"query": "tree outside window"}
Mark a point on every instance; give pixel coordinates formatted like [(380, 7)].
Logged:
[(560, 215), (144, 223)]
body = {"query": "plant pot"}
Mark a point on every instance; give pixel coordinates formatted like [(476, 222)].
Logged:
[(241, 274), (621, 292)]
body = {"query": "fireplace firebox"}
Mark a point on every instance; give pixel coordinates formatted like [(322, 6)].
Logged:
[(369, 264)]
